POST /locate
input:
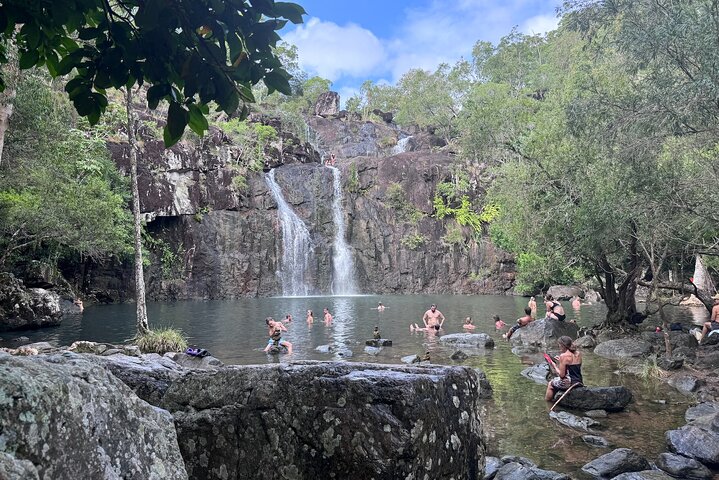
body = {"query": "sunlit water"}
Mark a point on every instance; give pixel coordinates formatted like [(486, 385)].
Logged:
[(516, 418)]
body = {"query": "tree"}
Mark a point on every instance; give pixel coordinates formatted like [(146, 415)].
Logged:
[(190, 52)]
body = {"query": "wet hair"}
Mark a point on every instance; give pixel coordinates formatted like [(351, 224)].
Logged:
[(527, 310), (532, 297), (496, 318), (468, 318), (433, 305), (309, 312), (268, 320), (548, 297), (567, 343)]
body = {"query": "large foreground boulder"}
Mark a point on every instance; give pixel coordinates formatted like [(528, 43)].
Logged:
[(611, 399), (543, 333), (64, 417), (623, 348), (22, 308), (698, 440), (325, 420)]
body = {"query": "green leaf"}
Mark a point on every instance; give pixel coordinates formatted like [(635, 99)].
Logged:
[(29, 59), (290, 11), (198, 122), (156, 93), (278, 82), (176, 123), (31, 33)]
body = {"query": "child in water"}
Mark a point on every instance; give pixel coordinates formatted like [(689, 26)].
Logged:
[(498, 322), (468, 325)]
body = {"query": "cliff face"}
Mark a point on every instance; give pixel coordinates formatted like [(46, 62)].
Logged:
[(215, 240)]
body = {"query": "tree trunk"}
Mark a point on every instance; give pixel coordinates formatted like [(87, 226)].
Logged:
[(11, 74), (142, 325), (620, 301)]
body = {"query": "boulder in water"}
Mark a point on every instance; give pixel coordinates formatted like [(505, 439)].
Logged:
[(623, 348), (203, 363), (697, 441), (537, 373), (23, 308), (517, 471), (565, 292), (379, 342), (704, 409), (372, 350), (459, 356), (615, 463), (611, 399), (544, 333), (684, 383), (644, 475), (409, 359), (573, 421), (682, 467), (585, 341), (596, 441), (467, 340), (68, 416)]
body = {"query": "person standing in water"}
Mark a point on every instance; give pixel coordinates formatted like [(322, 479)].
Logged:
[(310, 317), (433, 318), (468, 325), (327, 316), (532, 304), (380, 307)]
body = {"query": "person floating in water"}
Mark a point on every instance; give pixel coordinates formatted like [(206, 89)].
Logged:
[(78, 303), (288, 318), (468, 325), (576, 303), (310, 317), (433, 318), (555, 311), (275, 330), (569, 368), (416, 328), (498, 322), (327, 316), (375, 333), (380, 307), (521, 322)]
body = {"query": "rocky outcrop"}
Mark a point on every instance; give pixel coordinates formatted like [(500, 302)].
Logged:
[(543, 333), (611, 399), (63, 416), (328, 103), (615, 463), (316, 420), (565, 292), (22, 308), (623, 348)]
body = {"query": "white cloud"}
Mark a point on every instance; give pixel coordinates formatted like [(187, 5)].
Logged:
[(540, 24), (332, 51)]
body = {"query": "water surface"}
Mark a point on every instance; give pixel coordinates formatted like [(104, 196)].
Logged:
[(517, 421)]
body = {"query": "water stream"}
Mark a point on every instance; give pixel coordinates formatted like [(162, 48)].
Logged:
[(343, 274), (297, 248), (401, 146)]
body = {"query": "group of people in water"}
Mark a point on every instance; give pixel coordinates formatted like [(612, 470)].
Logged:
[(275, 329)]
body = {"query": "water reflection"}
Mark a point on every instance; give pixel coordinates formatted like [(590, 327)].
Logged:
[(517, 420)]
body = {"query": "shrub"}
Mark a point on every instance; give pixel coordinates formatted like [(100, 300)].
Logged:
[(413, 241), (161, 341)]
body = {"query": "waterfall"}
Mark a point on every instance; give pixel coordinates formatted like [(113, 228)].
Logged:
[(401, 146), (343, 276), (297, 248)]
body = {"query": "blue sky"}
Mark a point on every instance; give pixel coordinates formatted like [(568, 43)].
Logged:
[(349, 41)]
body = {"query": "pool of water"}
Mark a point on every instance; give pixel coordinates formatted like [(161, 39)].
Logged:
[(517, 420)]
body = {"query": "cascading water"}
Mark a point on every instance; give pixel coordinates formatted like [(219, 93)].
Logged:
[(401, 146), (297, 248), (343, 278)]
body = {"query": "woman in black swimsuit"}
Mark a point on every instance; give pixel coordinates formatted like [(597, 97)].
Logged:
[(555, 310), (569, 368)]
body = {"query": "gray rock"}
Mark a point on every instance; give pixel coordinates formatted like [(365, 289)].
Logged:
[(543, 333), (409, 359), (491, 467), (22, 308), (372, 350), (459, 356), (615, 463), (112, 351), (611, 399), (683, 467), (328, 103), (707, 360), (344, 352), (232, 422), (325, 348), (596, 413), (68, 416), (188, 361), (537, 373), (684, 383), (623, 348), (643, 475), (467, 340), (596, 441), (19, 341), (670, 363), (13, 469), (379, 342), (573, 421), (586, 341), (517, 471), (565, 292), (701, 410), (524, 461), (699, 443)]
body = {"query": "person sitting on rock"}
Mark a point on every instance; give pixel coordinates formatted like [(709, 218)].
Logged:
[(521, 322), (375, 333), (498, 322), (713, 323), (555, 311), (468, 325), (569, 368), (275, 330)]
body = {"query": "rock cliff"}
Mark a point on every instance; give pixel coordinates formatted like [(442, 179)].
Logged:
[(215, 239)]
